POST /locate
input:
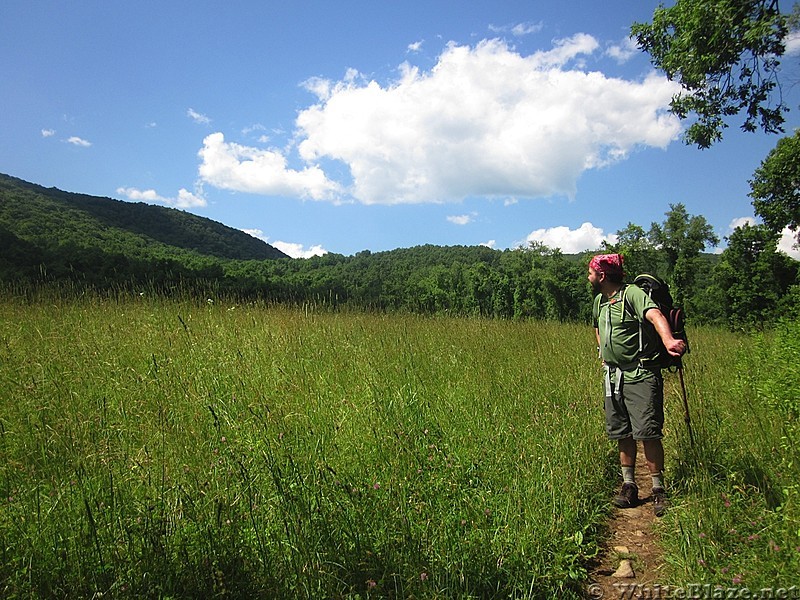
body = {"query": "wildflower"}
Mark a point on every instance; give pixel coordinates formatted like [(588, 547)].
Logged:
[(773, 546), (702, 536), (371, 583), (376, 486), (423, 576), (737, 579), (701, 562)]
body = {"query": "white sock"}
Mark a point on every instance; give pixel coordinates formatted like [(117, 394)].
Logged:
[(628, 474), (658, 480)]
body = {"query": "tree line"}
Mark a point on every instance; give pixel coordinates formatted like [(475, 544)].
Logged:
[(749, 284)]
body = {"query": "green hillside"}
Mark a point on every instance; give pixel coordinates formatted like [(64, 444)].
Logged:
[(77, 242), (49, 219)]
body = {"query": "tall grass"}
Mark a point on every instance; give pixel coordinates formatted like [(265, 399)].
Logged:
[(182, 449), (735, 522)]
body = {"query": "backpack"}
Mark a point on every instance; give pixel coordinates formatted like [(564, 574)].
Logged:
[(658, 291)]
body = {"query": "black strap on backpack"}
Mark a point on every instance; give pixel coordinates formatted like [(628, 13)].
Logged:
[(658, 291)]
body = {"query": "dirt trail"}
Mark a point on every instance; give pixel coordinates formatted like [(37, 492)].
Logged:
[(630, 529)]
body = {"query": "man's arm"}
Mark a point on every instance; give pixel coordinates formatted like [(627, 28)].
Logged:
[(674, 346), (597, 336)]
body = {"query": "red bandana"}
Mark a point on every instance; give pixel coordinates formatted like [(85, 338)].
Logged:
[(607, 263)]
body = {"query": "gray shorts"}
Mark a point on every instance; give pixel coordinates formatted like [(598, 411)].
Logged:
[(638, 410)]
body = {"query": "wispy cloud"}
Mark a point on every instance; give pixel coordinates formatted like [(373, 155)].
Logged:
[(461, 219), (46, 133), (572, 241), (184, 199), (415, 46), (526, 28), (76, 141), (518, 29), (255, 128), (198, 117), (527, 127), (623, 51)]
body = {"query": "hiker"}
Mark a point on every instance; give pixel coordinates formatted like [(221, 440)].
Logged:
[(634, 404)]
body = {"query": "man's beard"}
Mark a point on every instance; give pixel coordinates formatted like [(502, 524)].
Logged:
[(595, 287)]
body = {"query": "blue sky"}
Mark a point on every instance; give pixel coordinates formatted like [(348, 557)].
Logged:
[(324, 126)]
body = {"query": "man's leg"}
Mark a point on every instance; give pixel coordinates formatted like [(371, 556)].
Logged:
[(654, 455), (627, 452), (629, 494), (646, 409)]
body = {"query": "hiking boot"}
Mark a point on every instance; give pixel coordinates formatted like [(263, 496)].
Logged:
[(659, 502), (628, 496)]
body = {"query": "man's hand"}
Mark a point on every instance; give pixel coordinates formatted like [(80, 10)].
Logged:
[(676, 347)]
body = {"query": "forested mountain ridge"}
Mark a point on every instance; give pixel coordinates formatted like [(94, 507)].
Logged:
[(48, 217), (77, 242)]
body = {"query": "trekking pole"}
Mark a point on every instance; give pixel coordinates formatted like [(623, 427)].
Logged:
[(686, 418)]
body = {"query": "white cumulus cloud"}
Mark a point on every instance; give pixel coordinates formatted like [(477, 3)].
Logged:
[(792, 43), (298, 250), (484, 121), (741, 222), (789, 244), (572, 241), (184, 199), (232, 166), (289, 248)]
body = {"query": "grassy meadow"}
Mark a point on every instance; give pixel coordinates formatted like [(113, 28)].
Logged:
[(186, 449)]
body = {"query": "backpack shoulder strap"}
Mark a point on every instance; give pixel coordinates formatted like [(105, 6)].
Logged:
[(626, 306), (596, 307)]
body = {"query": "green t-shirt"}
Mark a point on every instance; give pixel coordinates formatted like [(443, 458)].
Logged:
[(618, 320)]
